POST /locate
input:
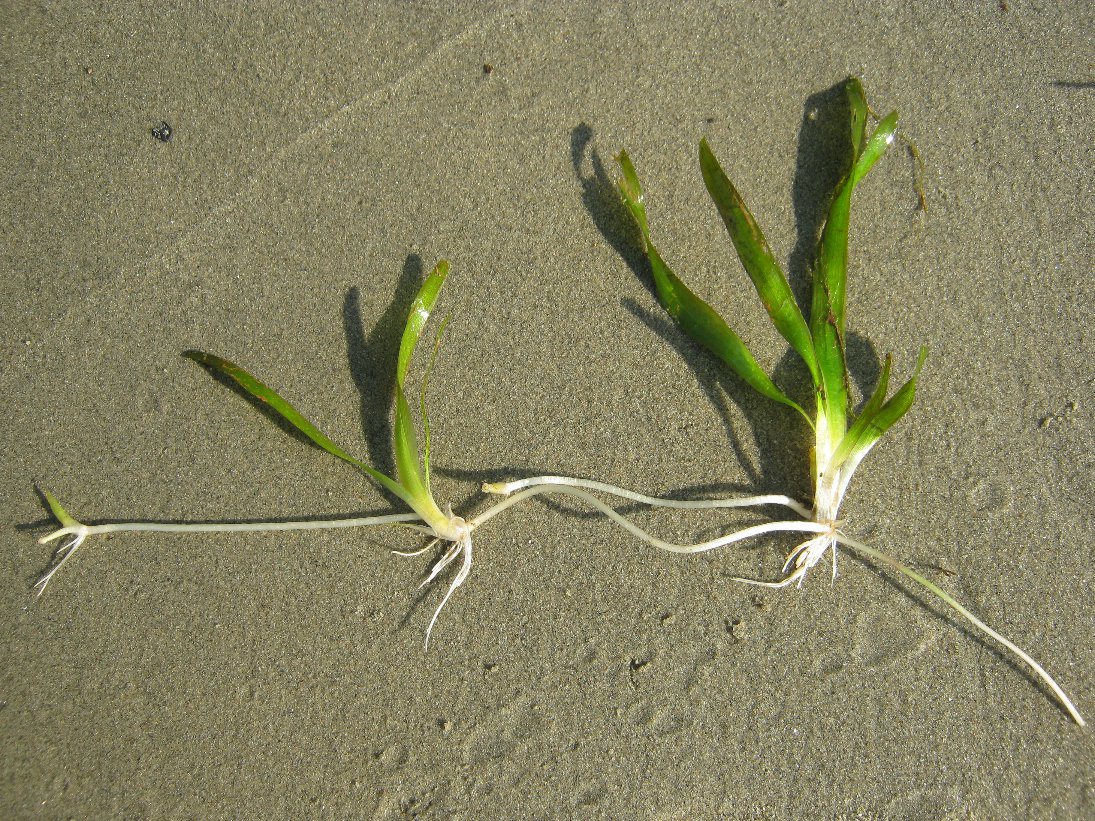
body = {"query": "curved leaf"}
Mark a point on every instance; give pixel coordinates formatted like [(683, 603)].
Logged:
[(876, 146), (406, 442), (696, 318), (282, 408), (879, 416), (827, 309), (419, 313), (898, 404), (756, 257)]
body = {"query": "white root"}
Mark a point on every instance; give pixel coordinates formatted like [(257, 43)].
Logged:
[(824, 538), (803, 557)]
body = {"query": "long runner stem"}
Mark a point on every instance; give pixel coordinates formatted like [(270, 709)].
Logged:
[(972, 619), (79, 531), (569, 490), (506, 488)]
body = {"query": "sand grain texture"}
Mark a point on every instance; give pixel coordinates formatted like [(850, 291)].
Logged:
[(321, 162)]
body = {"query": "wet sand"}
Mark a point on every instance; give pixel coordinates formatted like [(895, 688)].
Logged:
[(319, 164)]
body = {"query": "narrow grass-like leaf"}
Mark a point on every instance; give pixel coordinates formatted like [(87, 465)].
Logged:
[(876, 146), (272, 400), (59, 513), (857, 113), (406, 448), (897, 405), (422, 403), (757, 259), (855, 432), (696, 318), (406, 441), (829, 347), (419, 313), (827, 309), (633, 195)]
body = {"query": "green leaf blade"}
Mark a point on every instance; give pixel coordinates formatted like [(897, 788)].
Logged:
[(695, 317), (876, 146), (416, 319), (632, 192), (852, 438), (828, 303), (829, 346), (270, 398), (898, 404), (875, 421), (757, 259), (832, 263), (407, 463), (59, 513), (857, 113), (406, 448), (701, 322)]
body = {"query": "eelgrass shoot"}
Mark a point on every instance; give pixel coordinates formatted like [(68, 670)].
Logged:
[(411, 485), (840, 442)]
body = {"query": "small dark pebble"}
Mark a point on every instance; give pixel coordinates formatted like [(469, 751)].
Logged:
[(488, 69), (162, 132)]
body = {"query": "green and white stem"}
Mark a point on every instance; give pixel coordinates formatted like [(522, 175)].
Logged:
[(831, 482)]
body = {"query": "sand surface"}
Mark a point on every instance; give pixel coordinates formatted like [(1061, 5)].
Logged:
[(321, 161)]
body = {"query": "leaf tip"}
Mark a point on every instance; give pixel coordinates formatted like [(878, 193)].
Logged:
[(920, 360), (59, 513)]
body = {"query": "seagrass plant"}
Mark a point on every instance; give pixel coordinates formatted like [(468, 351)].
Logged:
[(840, 442), (411, 485)]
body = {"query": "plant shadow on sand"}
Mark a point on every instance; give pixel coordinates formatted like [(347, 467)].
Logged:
[(817, 335)]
